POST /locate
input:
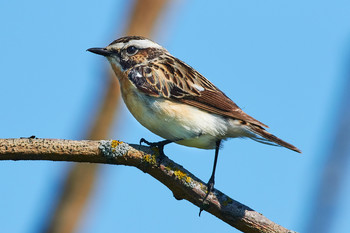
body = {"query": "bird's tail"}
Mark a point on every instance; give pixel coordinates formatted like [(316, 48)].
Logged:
[(262, 136)]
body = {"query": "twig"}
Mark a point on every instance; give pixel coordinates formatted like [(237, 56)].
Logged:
[(181, 182)]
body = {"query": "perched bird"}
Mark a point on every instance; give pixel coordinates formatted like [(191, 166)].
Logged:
[(174, 101)]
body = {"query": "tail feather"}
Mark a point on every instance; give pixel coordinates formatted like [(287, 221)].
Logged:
[(270, 139)]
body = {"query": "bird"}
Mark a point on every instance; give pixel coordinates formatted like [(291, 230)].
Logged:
[(176, 102)]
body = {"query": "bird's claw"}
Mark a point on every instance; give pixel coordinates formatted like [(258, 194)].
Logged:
[(210, 186), (159, 145)]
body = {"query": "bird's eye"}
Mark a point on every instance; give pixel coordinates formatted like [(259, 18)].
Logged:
[(131, 50)]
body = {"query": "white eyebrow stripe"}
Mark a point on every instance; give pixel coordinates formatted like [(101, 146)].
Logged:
[(142, 44), (116, 46)]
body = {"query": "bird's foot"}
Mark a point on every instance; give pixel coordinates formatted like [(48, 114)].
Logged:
[(210, 186), (159, 145)]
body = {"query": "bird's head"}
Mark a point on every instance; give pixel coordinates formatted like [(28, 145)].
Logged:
[(126, 52)]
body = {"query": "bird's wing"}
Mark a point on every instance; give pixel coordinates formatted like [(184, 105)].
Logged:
[(173, 79)]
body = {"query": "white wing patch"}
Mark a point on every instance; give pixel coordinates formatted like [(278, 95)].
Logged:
[(198, 87)]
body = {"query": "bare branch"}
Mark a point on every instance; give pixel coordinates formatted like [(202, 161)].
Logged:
[(181, 182)]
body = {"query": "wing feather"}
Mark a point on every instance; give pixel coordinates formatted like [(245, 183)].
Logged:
[(173, 79)]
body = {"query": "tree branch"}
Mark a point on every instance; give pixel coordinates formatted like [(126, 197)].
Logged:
[(181, 182)]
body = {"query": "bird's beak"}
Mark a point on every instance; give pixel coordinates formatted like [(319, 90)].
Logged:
[(100, 51)]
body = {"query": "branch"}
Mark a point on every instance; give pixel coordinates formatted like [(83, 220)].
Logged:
[(181, 182)]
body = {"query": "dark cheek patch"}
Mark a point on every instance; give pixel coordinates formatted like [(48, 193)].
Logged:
[(127, 64)]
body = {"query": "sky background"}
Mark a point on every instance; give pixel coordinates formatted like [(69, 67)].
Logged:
[(283, 62)]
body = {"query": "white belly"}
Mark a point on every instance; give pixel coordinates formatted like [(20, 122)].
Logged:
[(184, 124)]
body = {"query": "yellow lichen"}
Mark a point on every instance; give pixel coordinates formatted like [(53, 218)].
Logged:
[(115, 143), (182, 176), (151, 159), (179, 174)]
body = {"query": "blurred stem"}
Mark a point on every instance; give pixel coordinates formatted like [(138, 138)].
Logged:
[(81, 178), (335, 167)]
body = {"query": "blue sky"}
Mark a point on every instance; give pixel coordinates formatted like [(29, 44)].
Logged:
[(283, 62)]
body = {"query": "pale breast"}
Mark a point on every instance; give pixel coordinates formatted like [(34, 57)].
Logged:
[(179, 122)]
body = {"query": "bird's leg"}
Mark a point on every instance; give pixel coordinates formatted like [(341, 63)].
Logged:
[(211, 181), (160, 145)]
